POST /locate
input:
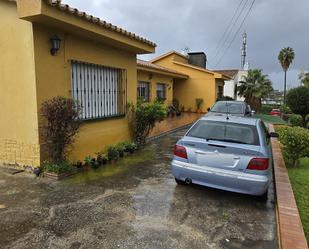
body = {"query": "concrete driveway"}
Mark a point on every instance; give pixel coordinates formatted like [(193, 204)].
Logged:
[(134, 205)]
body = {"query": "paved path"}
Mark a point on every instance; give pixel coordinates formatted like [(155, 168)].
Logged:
[(134, 205)]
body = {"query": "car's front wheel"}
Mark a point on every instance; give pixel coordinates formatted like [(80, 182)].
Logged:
[(180, 182)]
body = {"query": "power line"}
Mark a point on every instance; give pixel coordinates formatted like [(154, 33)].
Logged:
[(242, 23), (227, 32)]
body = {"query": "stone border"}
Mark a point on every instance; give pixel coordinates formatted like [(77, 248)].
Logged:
[(290, 229)]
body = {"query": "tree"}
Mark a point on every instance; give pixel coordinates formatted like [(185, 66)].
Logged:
[(304, 79), (60, 126), (286, 57), (255, 87), (298, 100)]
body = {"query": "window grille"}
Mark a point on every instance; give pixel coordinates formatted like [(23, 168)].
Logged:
[(161, 91), (99, 90), (143, 90)]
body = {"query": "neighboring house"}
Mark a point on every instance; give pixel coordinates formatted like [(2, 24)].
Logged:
[(201, 82), (230, 87), (95, 64), (274, 98), (156, 82)]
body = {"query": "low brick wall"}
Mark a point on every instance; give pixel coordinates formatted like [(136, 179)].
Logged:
[(170, 124), (290, 229)]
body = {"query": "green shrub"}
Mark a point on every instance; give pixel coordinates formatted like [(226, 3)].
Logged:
[(143, 118), (286, 110), (129, 146), (120, 148), (298, 100), (266, 109), (102, 158), (296, 120), (63, 167), (295, 141), (112, 153)]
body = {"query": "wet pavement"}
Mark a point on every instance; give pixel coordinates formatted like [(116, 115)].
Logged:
[(135, 204)]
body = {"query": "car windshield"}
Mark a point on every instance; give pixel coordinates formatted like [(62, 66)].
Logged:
[(232, 108), (224, 131)]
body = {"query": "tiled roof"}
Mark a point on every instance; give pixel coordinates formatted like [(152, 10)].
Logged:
[(157, 67), (229, 72), (95, 20)]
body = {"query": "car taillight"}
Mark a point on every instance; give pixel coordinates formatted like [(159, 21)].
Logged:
[(258, 164), (180, 151)]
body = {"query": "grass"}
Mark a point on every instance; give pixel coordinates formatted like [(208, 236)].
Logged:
[(270, 119), (299, 178)]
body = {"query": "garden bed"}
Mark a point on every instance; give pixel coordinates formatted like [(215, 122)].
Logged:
[(299, 178)]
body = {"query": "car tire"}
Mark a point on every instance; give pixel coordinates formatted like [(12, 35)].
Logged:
[(180, 182), (264, 197)]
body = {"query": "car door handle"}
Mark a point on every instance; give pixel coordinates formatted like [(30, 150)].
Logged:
[(200, 152)]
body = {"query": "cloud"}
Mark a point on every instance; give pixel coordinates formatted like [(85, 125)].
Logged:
[(199, 25)]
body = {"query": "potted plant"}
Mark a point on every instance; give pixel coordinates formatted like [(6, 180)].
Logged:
[(120, 148), (113, 154), (199, 102), (102, 158), (58, 171), (88, 161), (189, 109), (78, 164)]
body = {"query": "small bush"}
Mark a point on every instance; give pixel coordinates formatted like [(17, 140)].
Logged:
[(102, 158), (143, 118), (295, 141), (129, 147), (63, 167), (266, 109), (112, 153), (120, 148), (296, 120), (60, 126)]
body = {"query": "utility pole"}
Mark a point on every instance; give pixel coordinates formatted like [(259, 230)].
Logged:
[(243, 51)]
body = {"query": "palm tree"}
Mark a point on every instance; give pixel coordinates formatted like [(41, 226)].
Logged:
[(286, 57), (255, 87)]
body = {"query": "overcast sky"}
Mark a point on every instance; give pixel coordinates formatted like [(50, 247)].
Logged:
[(200, 25)]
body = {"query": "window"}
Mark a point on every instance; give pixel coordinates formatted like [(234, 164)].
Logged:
[(161, 91), (228, 132), (143, 90), (226, 107), (100, 90)]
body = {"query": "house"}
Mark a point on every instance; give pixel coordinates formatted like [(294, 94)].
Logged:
[(230, 87), (49, 49), (201, 82), (156, 82)]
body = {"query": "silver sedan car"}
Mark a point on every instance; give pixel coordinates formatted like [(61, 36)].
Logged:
[(226, 152)]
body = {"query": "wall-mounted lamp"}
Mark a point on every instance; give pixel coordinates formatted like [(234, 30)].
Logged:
[(55, 41)]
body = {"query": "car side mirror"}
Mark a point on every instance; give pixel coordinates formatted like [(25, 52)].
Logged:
[(274, 134), (208, 109)]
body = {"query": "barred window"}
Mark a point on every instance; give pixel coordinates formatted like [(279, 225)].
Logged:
[(161, 91), (100, 90), (143, 90)]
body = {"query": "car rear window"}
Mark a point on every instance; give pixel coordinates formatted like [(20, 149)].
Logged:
[(232, 108), (224, 131)]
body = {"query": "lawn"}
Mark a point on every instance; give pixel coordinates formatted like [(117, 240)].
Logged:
[(270, 119), (299, 178)]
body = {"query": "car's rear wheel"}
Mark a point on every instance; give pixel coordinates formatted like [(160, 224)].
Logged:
[(180, 182)]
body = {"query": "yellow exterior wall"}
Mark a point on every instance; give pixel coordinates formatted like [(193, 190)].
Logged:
[(199, 84), (19, 143), (53, 75), (153, 79)]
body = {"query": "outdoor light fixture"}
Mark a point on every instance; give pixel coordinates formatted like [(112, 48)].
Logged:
[(56, 41)]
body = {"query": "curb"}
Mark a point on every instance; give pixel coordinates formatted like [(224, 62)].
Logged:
[(290, 229)]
